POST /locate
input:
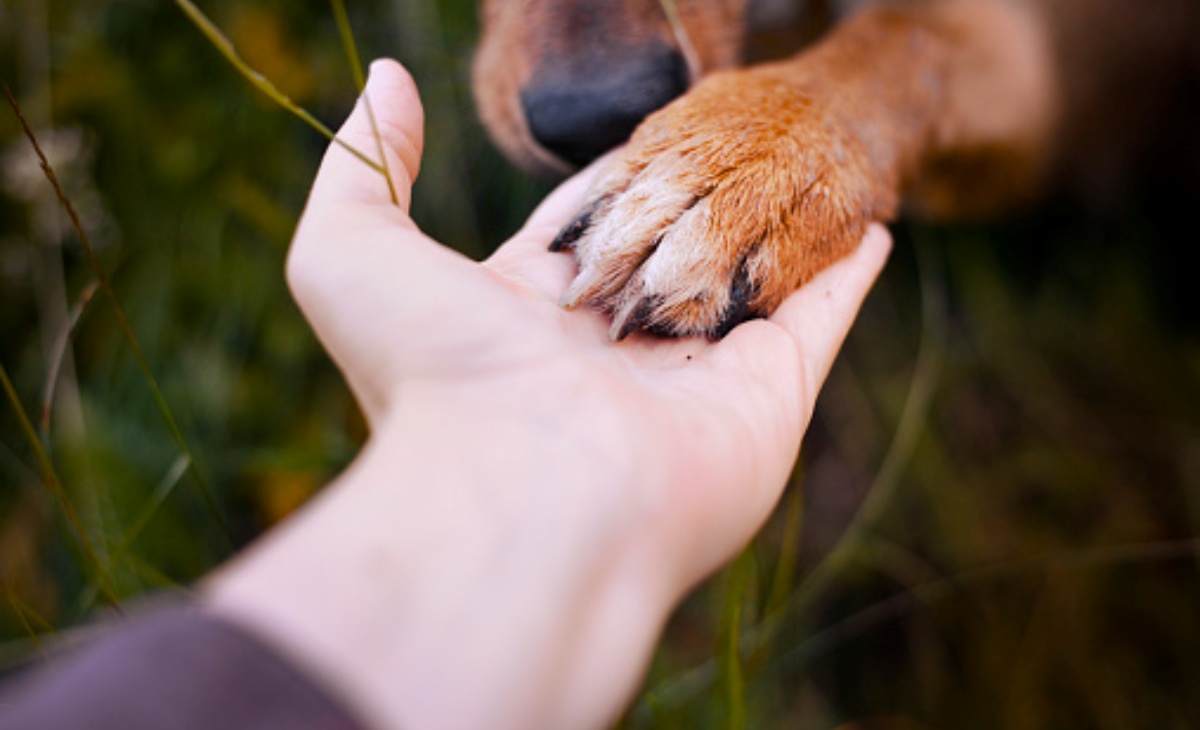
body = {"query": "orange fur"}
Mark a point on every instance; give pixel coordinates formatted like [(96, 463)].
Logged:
[(740, 191)]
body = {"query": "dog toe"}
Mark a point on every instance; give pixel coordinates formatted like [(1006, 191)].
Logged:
[(566, 238), (711, 216), (740, 307)]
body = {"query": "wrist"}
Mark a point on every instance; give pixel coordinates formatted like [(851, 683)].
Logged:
[(457, 575), (565, 593)]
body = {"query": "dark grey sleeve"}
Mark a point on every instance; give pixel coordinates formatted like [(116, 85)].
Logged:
[(173, 669)]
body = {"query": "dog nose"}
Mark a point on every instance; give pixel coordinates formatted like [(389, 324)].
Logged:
[(581, 114)]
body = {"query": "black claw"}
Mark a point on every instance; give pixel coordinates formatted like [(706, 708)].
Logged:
[(574, 230), (661, 329), (639, 317), (741, 294)]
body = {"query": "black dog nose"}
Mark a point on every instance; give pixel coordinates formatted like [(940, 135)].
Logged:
[(582, 113)]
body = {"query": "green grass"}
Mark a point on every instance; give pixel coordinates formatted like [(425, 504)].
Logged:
[(1011, 440)]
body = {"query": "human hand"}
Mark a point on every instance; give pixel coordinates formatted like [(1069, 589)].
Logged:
[(542, 496), (717, 424)]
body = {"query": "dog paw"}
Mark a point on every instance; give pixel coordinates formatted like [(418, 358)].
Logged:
[(722, 204)]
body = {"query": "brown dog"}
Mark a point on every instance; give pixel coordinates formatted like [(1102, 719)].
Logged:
[(737, 192)]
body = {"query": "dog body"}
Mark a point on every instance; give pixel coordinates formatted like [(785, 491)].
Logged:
[(739, 184)]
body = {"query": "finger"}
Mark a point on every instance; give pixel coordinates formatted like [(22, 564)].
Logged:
[(760, 359), (351, 230), (527, 257), (820, 314), (387, 128)]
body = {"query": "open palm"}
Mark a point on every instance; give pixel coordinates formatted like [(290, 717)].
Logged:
[(693, 438)]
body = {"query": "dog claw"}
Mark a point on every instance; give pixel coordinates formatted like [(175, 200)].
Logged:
[(567, 237), (582, 289), (741, 293), (634, 315)]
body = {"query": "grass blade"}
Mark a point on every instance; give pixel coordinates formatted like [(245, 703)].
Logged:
[(681, 688), (260, 82), (160, 494), (360, 83), (731, 671), (164, 489), (54, 486), (916, 409), (924, 595), (682, 39), (789, 551), (136, 348), (155, 577), (24, 612), (59, 352), (351, 48)]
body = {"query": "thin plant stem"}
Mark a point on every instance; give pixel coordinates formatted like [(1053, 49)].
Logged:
[(348, 44), (682, 38), (54, 486), (120, 549), (18, 607), (161, 492), (732, 670), (912, 419), (856, 624), (677, 690), (263, 84), (139, 357), (789, 551), (360, 83), (59, 352)]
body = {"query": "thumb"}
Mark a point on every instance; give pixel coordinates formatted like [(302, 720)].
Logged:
[(387, 128), (820, 314)]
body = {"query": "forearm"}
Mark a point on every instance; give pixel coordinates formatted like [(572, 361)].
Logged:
[(415, 590)]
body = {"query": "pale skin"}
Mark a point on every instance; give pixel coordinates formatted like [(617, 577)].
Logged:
[(533, 499)]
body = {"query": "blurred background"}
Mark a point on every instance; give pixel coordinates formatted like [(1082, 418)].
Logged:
[(995, 522)]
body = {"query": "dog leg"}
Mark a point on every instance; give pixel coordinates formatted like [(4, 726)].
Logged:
[(739, 192)]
